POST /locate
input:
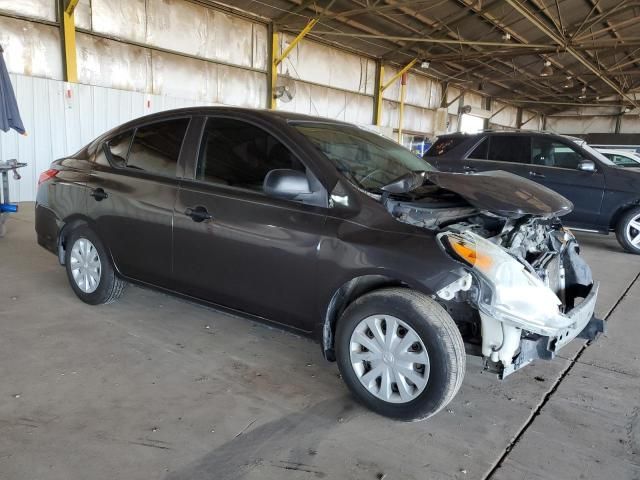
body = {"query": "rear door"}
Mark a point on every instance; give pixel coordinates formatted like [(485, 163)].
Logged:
[(511, 153), (243, 249), (133, 189), (555, 165)]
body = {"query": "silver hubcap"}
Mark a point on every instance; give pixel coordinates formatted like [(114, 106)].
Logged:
[(389, 358), (633, 231), (85, 265)]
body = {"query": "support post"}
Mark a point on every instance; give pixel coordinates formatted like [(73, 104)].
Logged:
[(69, 39), (618, 126), (519, 118), (487, 106), (377, 100), (403, 85), (460, 106), (277, 59), (384, 85)]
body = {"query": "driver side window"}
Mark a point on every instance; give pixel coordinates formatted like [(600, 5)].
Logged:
[(239, 154), (549, 153)]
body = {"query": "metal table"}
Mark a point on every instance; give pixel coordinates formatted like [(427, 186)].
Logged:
[(6, 207)]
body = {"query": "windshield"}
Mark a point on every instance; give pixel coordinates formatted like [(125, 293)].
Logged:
[(367, 159), (623, 159)]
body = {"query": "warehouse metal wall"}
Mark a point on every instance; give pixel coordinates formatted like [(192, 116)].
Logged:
[(166, 53), (62, 117)]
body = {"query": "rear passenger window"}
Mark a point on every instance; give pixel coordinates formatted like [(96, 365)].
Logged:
[(156, 147), (118, 149), (239, 154), (480, 152), (507, 148)]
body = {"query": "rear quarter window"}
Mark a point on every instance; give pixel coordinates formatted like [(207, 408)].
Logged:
[(444, 145)]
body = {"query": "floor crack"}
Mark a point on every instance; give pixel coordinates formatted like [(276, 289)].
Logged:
[(534, 414)]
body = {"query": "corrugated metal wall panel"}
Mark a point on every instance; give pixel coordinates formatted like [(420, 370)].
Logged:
[(31, 48), (60, 125), (41, 9)]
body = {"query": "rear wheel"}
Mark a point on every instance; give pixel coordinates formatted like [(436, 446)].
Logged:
[(89, 269), (628, 231), (400, 353)]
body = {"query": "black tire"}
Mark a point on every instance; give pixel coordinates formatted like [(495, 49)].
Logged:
[(436, 330), (621, 230), (110, 286)]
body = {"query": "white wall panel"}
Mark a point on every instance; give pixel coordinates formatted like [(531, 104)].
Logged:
[(31, 48), (59, 124), (581, 125), (314, 62), (124, 19), (82, 14), (452, 94), (630, 124), (41, 9), (108, 63), (506, 117)]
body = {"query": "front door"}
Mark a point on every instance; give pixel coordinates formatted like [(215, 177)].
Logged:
[(133, 189), (555, 165), (237, 247)]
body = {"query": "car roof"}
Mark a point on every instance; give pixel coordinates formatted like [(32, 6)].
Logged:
[(510, 133), (212, 110), (617, 151)]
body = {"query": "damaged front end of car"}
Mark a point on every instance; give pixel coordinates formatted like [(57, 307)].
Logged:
[(532, 290), (522, 290)]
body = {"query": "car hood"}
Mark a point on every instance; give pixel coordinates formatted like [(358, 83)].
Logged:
[(503, 193)]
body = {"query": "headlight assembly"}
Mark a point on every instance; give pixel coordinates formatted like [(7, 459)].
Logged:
[(519, 297)]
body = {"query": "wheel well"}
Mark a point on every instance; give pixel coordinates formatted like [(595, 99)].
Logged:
[(343, 297), (620, 212), (68, 227)]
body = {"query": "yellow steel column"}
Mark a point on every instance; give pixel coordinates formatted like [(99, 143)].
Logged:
[(378, 98), (69, 29), (276, 59), (274, 69)]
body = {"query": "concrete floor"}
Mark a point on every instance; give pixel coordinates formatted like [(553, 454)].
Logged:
[(153, 387)]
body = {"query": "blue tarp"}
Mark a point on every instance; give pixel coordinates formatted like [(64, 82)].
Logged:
[(9, 113)]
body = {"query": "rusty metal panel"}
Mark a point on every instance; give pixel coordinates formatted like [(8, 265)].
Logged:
[(31, 48), (124, 19), (41, 9), (109, 63), (83, 15)]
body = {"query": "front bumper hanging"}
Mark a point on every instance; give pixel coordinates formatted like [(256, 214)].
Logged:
[(585, 326)]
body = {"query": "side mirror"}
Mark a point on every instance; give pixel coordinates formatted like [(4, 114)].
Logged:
[(286, 183), (587, 166)]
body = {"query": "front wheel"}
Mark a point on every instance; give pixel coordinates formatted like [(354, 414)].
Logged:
[(628, 231), (89, 269), (400, 353)]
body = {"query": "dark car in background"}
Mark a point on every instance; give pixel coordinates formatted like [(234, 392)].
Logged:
[(605, 197), (329, 230)]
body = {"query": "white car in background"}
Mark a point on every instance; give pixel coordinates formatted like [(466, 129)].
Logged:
[(622, 158)]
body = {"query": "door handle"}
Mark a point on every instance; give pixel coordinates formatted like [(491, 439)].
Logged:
[(467, 168), (198, 214), (536, 174), (99, 194)]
